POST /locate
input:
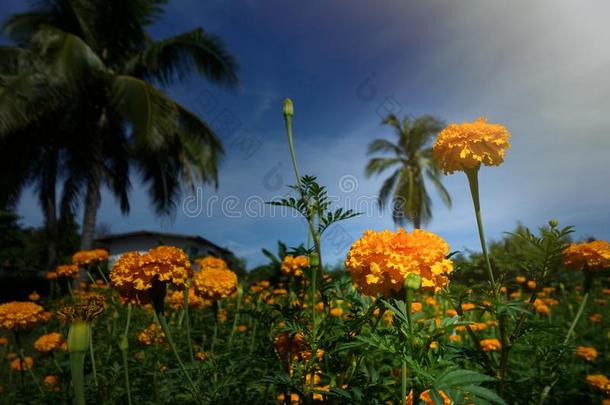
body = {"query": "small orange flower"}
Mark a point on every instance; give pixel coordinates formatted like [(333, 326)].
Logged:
[(87, 257), (586, 353), (34, 296), (49, 342), (599, 381), (531, 284), (336, 312), (67, 270), (490, 345), (294, 265), (520, 279), (25, 365)]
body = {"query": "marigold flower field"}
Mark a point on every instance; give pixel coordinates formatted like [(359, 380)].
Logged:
[(406, 321)]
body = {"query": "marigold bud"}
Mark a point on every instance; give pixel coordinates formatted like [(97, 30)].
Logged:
[(412, 281), (288, 108)]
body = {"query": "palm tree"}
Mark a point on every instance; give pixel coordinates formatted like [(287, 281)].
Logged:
[(412, 161), (92, 63)]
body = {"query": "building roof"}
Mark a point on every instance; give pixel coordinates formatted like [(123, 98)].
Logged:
[(153, 234)]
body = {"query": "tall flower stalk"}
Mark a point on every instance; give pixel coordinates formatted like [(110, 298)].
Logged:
[(316, 262), (124, 347)]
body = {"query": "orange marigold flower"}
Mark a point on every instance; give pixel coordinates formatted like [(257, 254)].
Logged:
[(49, 342), (461, 147), (25, 365), (294, 265), (520, 279), (214, 284), (468, 306), (18, 315), (531, 284), (380, 261), (87, 257), (67, 270), (594, 255), (451, 312), (201, 356), (595, 318), (151, 335), (176, 299), (336, 312), (50, 380), (211, 262), (599, 381), (586, 352), (51, 275), (34, 296), (134, 275), (427, 398), (490, 345), (455, 338), (294, 398), (3, 341)]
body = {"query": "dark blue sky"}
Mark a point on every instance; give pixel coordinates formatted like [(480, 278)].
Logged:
[(539, 68)]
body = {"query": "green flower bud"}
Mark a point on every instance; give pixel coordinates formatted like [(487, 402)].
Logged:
[(288, 108), (78, 336), (314, 260), (412, 282), (123, 343), (553, 223)]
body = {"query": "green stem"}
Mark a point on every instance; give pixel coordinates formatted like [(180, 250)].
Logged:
[(235, 318), (547, 389), (124, 346), (473, 181), (581, 308), (188, 322), (93, 368), (172, 345), (77, 364), (408, 301)]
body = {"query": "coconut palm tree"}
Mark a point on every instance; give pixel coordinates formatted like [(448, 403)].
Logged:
[(410, 158), (93, 64)]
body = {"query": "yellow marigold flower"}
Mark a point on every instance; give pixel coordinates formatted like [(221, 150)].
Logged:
[(87, 257), (211, 262), (594, 255), (151, 335), (336, 312), (434, 345), (134, 275), (67, 270), (294, 265), (466, 146), (19, 315), (380, 261), (49, 342), (214, 284), (490, 345), (587, 353), (34, 296), (599, 381), (201, 356), (25, 365)]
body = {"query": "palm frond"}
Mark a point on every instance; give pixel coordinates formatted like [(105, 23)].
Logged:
[(379, 165), (383, 145), (175, 58)]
